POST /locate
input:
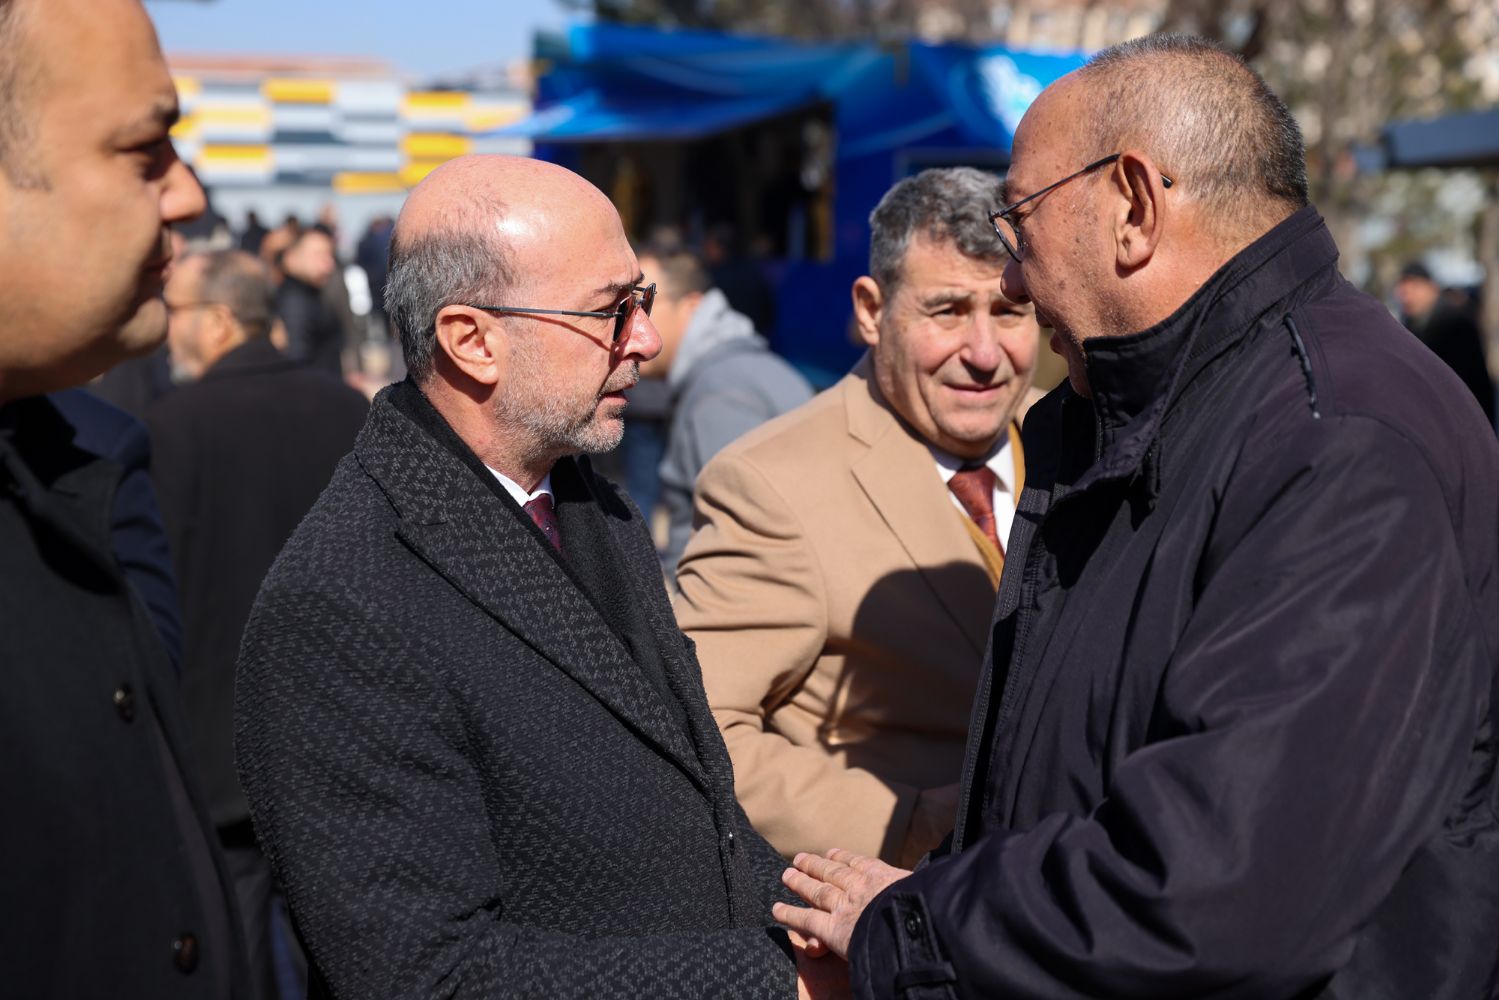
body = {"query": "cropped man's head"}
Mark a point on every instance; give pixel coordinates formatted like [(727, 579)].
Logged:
[(309, 257), (1416, 291), (951, 353), (1141, 174), (681, 279), (492, 261), (217, 301), (89, 186)]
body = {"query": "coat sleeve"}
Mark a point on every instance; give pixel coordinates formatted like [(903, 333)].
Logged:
[(299, 314), (401, 911), (1309, 735), (751, 596)]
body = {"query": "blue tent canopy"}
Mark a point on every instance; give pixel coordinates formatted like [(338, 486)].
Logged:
[(622, 82), (893, 108), (594, 117)]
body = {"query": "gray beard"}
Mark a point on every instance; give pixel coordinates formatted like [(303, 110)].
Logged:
[(551, 427)]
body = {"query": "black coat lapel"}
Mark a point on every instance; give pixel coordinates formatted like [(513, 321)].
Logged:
[(480, 541)]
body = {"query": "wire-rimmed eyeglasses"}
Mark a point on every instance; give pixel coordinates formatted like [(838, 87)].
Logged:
[(1008, 230), (641, 297)]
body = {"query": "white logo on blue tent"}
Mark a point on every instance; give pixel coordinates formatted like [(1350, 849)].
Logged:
[(1007, 91)]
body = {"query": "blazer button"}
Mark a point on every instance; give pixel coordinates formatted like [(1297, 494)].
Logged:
[(125, 702), (913, 924), (185, 953)]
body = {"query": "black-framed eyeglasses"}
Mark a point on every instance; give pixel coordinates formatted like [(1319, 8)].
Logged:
[(641, 297), (1007, 230)]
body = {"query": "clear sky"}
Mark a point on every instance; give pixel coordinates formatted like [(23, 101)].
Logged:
[(423, 37)]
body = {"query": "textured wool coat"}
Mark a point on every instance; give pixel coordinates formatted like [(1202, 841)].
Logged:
[(481, 769), (1238, 734)]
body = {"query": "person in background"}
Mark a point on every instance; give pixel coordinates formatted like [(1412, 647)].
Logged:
[(1451, 332), (371, 255), (722, 377), (1236, 737), (241, 451), (114, 886), (840, 584), (314, 334), (739, 277), (254, 233)]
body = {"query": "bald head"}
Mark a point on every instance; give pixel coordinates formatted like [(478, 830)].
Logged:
[(1208, 120), (476, 230)]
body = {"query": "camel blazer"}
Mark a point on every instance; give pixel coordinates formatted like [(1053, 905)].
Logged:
[(840, 607)]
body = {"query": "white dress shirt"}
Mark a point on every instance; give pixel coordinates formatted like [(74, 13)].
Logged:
[(1002, 462), (520, 496)]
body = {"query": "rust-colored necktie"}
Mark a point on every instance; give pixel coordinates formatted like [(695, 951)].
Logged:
[(545, 518), (974, 488)]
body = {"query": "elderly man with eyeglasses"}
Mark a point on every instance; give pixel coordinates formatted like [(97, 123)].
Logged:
[(1237, 737), (475, 744)]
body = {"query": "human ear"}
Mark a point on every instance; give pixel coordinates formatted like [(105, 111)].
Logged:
[(1140, 220), (869, 302), (470, 339)]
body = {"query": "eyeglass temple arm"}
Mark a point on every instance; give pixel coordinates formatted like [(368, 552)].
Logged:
[(547, 312)]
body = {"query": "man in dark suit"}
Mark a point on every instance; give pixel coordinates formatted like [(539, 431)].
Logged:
[(314, 334), (475, 744), (240, 456), (113, 884), (1450, 332)]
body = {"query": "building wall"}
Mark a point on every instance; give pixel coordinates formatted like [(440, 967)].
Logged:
[(284, 138)]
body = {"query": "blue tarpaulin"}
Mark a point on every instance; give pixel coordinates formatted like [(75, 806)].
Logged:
[(593, 117), (894, 108)]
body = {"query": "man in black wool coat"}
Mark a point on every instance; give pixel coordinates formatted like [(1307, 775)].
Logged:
[(475, 744)]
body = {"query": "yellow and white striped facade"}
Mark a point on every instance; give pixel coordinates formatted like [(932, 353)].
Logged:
[(359, 131)]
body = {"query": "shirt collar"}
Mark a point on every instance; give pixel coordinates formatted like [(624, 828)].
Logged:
[(998, 460), (519, 495)]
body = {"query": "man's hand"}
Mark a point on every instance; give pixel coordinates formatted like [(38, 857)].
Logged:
[(837, 887)]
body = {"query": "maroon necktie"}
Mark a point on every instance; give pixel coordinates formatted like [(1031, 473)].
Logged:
[(545, 518), (974, 489)]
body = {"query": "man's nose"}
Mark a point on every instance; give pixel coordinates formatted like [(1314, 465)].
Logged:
[(640, 338), (982, 350), (1012, 283), (182, 197)]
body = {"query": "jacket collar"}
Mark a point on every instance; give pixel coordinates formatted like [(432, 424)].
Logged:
[(254, 355), (460, 521), (1137, 378), (54, 481), (899, 476)]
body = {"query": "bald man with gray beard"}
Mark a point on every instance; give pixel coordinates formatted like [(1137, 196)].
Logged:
[(475, 744)]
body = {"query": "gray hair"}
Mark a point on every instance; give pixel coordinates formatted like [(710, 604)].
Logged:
[(946, 205), (436, 269), (240, 282), (1210, 119)]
